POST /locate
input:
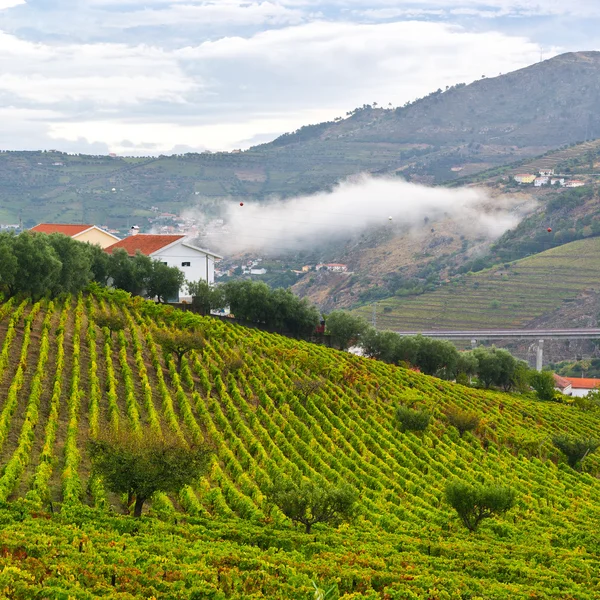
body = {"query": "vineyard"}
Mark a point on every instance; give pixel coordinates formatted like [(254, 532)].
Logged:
[(63, 380), (504, 297)]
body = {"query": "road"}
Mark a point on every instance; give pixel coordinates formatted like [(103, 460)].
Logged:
[(503, 334)]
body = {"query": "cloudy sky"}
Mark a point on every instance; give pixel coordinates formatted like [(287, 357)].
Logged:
[(160, 76)]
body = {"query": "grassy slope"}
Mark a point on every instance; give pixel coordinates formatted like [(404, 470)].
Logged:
[(499, 297), (221, 538)]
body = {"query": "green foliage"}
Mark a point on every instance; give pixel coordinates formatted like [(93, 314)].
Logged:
[(409, 419), (163, 282), (497, 368), (473, 503), (279, 309), (309, 502), (206, 297), (543, 384), (142, 465), (345, 329), (463, 420), (575, 449), (179, 342), (111, 320)]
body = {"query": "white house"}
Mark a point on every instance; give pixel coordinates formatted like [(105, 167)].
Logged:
[(540, 181), (574, 183), (546, 172), (575, 386), (174, 251)]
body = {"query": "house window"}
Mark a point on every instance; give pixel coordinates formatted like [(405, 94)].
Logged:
[(186, 264), (164, 263)]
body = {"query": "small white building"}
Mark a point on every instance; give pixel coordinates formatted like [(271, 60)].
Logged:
[(540, 181), (575, 386), (559, 180), (546, 172), (174, 251), (574, 183)]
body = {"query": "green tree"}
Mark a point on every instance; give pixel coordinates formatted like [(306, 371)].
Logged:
[(75, 272), (179, 342), (437, 357), (344, 328), (382, 345), (39, 265), (112, 321), (100, 263), (473, 503), (308, 502), (9, 264), (543, 384), (163, 282), (409, 419), (140, 466), (466, 364), (575, 449), (463, 420), (125, 274), (206, 297)]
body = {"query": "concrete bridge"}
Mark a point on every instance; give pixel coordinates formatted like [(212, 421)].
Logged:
[(520, 334)]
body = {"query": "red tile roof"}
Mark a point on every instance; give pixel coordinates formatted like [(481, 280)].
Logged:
[(583, 382), (67, 229), (561, 382), (145, 243)]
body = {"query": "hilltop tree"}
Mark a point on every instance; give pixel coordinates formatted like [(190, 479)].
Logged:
[(179, 342), (543, 384), (163, 282), (345, 329), (206, 297), (75, 271), (473, 503), (308, 502), (141, 465)]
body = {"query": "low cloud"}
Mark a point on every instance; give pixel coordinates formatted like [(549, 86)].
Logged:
[(357, 205)]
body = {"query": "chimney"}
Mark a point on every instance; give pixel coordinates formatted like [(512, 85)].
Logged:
[(134, 230)]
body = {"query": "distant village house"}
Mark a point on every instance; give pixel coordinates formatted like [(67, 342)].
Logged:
[(81, 233), (525, 178), (577, 387)]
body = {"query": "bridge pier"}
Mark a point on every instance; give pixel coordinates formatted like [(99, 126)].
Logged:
[(473, 344), (539, 359)]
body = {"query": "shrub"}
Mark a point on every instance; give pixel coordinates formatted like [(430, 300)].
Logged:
[(576, 450), (309, 502), (463, 420), (543, 384), (473, 503), (412, 420)]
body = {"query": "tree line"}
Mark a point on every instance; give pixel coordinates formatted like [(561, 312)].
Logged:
[(493, 367), (39, 264)]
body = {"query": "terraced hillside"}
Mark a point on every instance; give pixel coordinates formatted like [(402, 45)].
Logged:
[(503, 297), (62, 380)]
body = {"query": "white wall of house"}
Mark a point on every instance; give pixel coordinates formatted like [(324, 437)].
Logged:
[(194, 263), (579, 392)]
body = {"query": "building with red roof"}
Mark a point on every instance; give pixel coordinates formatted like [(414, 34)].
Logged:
[(575, 386), (81, 233), (174, 251)]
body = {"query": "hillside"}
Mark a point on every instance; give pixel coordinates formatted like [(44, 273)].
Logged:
[(468, 128), (62, 379), (507, 296)]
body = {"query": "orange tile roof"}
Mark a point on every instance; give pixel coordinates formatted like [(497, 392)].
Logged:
[(67, 229), (145, 243), (583, 382), (561, 382)]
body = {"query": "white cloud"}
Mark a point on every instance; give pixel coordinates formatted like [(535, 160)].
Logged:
[(4, 4)]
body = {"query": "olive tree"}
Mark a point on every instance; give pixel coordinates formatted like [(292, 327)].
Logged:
[(473, 503), (308, 502), (141, 465), (179, 342), (575, 449)]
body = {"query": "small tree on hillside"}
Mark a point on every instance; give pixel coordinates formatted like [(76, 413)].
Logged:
[(305, 388), (473, 503), (113, 322), (543, 384), (463, 420), (576, 450), (179, 342), (141, 465), (308, 502), (164, 282), (409, 419)]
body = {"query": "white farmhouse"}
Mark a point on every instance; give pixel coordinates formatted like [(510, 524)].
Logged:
[(575, 386), (541, 181), (174, 251)]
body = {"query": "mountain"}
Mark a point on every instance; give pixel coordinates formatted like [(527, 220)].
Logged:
[(448, 134), (63, 378)]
